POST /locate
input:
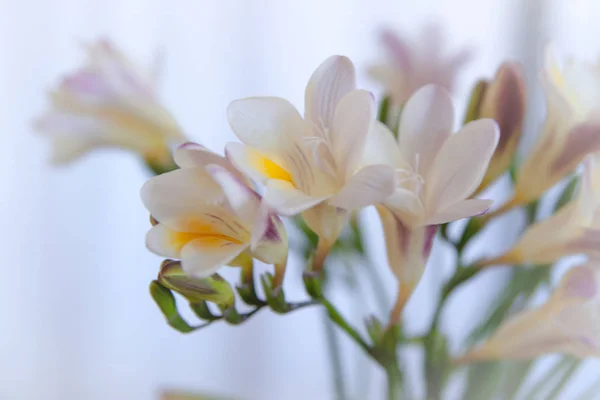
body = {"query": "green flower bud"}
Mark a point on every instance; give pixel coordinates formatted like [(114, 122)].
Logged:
[(213, 288)]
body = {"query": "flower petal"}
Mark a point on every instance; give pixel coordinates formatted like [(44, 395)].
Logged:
[(202, 257), (269, 241), (287, 200), (243, 200), (326, 221), (582, 139), (426, 123), (189, 155), (176, 196), (334, 78), (381, 147), (254, 164), (406, 204), (371, 185), (353, 118), (460, 165), (462, 209), (268, 124), (159, 241)]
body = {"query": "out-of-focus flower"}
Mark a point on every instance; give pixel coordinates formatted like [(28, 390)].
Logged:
[(438, 172), (413, 65), (311, 165), (568, 323), (571, 130), (208, 216), (108, 102), (503, 100), (575, 228)]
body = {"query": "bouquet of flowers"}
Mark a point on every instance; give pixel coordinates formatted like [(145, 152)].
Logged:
[(313, 172)]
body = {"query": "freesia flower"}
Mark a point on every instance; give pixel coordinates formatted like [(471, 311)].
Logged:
[(208, 216), (312, 165), (571, 130), (575, 228), (108, 102), (413, 65), (503, 100), (568, 323), (438, 172)]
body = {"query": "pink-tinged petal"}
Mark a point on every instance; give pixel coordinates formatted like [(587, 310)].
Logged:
[(426, 123), (269, 242), (579, 283), (242, 199), (370, 185), (462, 209), (89, 86), (381, 147), (586, 242), (406, 204), (326, 221), (460, 165), (398, 50), (159, 241), (174, 197), (63, 124), (334, 78), (583, 139), (408, 249), (269, 124), (528, 334), (353, 118), (202, 257), (287, 200), (189, 155)]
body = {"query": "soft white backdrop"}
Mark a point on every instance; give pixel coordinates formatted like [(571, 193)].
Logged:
[(76, 321)]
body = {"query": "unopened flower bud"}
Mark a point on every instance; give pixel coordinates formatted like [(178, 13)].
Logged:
[(214, 288), (503, 100)]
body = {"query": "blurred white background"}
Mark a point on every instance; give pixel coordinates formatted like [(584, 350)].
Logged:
[(76, 318)]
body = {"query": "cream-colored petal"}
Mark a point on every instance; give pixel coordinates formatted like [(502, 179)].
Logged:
[(269, 237), (326, 221), (370, 185), (332, 80), (202, 257), (353, 118), (269, 124), (460, 165), (159, 241), (381, 147), (255, 164), (287, 200), (175, 197), (242, 199), (408, 205), (189, 155), (426, 122), (462, 209), (407, 247)]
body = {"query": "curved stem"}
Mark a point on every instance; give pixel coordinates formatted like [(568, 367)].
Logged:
[(340, 321), (336, 359)]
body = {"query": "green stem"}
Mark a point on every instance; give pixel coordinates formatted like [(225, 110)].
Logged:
[(341, 322), (394, 378), (336, 359)]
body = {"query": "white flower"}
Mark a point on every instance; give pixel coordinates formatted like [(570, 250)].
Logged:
[(571, 130), (575, 228), (312, 164), (108, 103), (208, 215), (413, 65), (438, 172), (568, 323)]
